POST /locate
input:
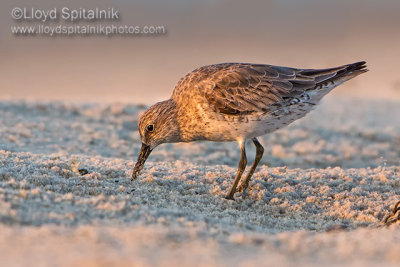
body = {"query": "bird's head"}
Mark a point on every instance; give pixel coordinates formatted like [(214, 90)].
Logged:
[(157, 125)]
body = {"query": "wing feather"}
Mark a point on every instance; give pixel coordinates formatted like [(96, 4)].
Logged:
[(240, 89)]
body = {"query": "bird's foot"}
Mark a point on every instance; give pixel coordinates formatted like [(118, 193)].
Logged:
[(229, 196)]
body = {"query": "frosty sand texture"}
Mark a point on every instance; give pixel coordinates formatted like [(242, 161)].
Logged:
[(304, 213)]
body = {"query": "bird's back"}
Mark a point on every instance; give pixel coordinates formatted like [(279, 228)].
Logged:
[(256, 99)]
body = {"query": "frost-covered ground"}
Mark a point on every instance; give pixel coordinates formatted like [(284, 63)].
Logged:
[(323, 188)]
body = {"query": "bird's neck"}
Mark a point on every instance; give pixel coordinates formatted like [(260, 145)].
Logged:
[(190, 122), (170, 119)]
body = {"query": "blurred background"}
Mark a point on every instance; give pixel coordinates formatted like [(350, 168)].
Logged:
[(145, 69)]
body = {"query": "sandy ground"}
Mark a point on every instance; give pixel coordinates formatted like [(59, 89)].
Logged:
[(319, 197)]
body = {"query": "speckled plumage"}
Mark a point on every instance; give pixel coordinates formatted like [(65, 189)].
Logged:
[(236, 102)]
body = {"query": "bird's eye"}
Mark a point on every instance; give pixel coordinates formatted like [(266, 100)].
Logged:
[(150, 128)]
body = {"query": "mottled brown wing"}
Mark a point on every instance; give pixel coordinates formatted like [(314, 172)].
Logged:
[(246, 88), (240, 89)]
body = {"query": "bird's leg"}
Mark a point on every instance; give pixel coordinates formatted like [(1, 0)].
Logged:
[(241, 168), (259, 153)]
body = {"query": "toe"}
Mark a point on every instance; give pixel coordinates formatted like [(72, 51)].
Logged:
[(229, 197)]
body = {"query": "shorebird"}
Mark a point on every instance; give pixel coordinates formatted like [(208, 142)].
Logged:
[(237, 102)]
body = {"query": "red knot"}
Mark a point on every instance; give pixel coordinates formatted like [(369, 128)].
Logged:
[(236, 102)]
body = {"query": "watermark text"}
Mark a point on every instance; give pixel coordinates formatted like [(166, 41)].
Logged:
[(76, 22)]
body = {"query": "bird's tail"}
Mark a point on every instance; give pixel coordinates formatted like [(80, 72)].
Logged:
[(335, 76), (327, 79), (350, 71)]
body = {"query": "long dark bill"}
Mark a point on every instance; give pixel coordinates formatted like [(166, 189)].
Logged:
[(143, 155)]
